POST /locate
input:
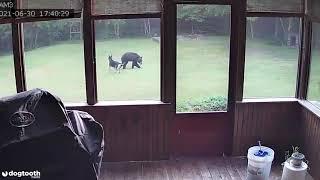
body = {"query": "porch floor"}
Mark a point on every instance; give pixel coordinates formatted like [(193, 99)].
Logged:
[(227, 168)]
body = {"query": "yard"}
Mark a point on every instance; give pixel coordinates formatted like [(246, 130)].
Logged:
[(202, 70)]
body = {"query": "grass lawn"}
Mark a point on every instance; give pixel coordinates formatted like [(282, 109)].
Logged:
[(270, 71), (202, 68)]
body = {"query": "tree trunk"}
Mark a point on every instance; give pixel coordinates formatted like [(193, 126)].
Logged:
[(146, 23), (290, 25), (149, 27), (118, 30), (276, 28), (36, 39), (145, 27), (251, 29), (192, 28), (284, 30)]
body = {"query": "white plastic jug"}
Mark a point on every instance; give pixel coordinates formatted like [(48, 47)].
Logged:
[(259, 162), (295, 168)]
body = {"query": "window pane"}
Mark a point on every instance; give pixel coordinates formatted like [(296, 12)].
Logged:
[(139, 37), (275, 5), (54, 58), (126, 6), (7, 76), (202, 57), (314, 78), (313, 8), (50, 4), (271, 57)]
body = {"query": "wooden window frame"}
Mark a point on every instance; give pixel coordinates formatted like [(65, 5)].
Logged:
[(168, 47), (91, 65), (232, 53), (300, 86), (89, 48)]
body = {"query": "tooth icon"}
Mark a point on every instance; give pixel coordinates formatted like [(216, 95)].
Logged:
[(4, 173)]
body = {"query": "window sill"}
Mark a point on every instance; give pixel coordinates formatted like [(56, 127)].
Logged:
[(311, 107), (204, 112), (262, 100), (119, 103)]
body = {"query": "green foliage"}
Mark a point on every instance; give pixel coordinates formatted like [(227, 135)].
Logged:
[(5, 38), (217, 103), (295, 149), (44, 33), (252, 19), (199, 13)]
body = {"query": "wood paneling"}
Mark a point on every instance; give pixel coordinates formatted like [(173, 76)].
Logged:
[(273, 123), (204, 134), (310, 139), (133, 132)]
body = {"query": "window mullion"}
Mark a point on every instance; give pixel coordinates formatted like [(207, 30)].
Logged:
[(18, 53)]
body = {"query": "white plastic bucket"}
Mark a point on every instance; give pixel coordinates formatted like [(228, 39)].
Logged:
[(259, 162)]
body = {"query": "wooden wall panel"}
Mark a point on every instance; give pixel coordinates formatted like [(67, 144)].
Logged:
[(310, 138), (274, 123), (133, 132), (201, 134)]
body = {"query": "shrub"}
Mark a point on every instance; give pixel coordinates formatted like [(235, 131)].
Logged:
[(217, 103)]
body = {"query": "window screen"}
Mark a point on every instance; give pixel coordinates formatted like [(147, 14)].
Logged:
[(50, 4), (203, 41), (128, 41), (272, 51), (126, 6), (314, 78), (53, 52), (275, 5), (313, 7), (7, 80)]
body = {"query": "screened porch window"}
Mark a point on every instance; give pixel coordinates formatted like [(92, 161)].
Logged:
[(203, 36), (7, 76), (128, 59), (314, 75), (110, 7), (53, 52), (291, 6), (272, 53)]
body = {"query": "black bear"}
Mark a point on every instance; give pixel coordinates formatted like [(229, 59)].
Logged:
[(131, 56)]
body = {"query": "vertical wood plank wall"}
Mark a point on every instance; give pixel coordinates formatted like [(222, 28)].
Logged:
[(274, 123), (133, 132), (310, 140), (142, 132), (200, 134)]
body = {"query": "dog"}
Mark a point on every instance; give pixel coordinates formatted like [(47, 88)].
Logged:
[(114, 64)]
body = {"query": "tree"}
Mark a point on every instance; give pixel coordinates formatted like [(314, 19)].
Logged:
[(147, 27), (199, 13), (251, 21), (116, 23), (5, 38)]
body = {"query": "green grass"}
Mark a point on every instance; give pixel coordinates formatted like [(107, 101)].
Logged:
[(314, 82), (130, 84), (270, 71), (202, 68)]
